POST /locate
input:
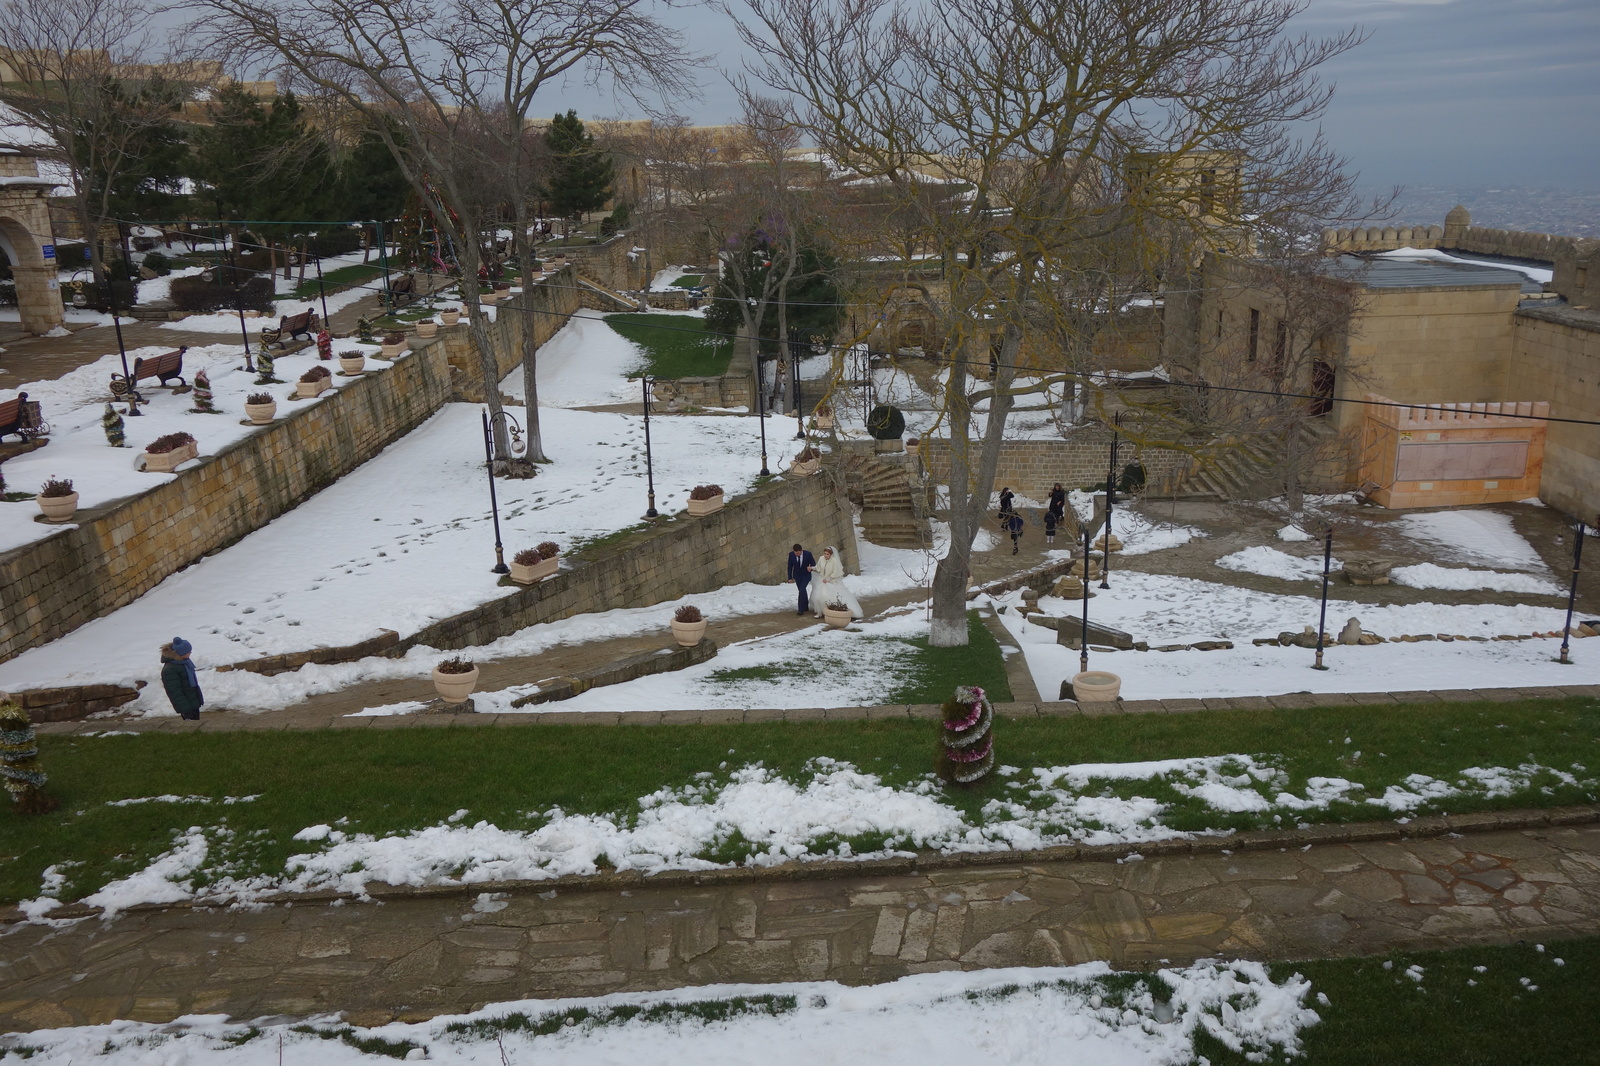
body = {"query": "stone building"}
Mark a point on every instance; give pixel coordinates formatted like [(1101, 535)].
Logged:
[(25, 237)]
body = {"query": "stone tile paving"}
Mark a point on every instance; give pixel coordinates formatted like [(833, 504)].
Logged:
[(1330, 890)]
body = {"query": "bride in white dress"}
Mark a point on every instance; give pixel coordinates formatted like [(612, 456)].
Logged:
[(830, 587)]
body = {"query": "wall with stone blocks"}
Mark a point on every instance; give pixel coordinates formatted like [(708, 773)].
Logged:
[(1556, 354), (745, 541), (546, 308), (1031, 467)]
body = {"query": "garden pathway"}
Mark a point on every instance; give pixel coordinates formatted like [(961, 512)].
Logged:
[(1355, 889)]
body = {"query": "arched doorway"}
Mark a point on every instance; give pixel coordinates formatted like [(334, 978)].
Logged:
[(25, 235)]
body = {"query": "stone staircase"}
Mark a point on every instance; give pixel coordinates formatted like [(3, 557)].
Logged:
[(890, 513), (599, 298), (1244, 468)]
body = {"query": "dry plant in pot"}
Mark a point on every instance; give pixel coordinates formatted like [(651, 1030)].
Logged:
[(351, 361), (534, 564), (164, 454), (260, 407), (450, 315), (824, 417), (454, 679), (705, 499), (808, 462), (394, 343), (836, 614), (313, 382), (688, 625), (427, 328), (57, 500)]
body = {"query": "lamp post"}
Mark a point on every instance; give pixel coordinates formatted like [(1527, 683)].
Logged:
[(799, 408), (649, 467), (1083, 633), (761, 410), (1572, 596), (500, 566), (322, 291), (132, 395), (1111, 498), (1322, 619)]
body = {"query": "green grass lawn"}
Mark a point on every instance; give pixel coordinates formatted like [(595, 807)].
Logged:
[(338, 279), (675, 346), (1377, 1016), (386, 781), (689, 281)]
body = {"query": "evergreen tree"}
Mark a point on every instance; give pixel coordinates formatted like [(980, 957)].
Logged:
[(111, 422), (580, 174), (19, 762), (370, 184), (263, 162), (203, 403)]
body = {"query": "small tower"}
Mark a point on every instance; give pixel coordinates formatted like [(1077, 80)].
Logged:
[(1455, 225)]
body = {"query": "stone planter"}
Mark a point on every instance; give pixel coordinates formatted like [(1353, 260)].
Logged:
[(1096, 686), (888, 447), (391, 351), (701, 508), (528, 575), (488, 297), (825, 421), (836, 619), (450, 318), (688, 634), (455, 688), (261, 413), (427, 328), (352, 366), (166, 462), (805, 468), (307, 389), (58, 508)]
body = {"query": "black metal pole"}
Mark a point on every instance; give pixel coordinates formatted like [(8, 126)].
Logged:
[(1322, 620), (1572, 596), (761, 411), (238, 304), (799, 408), (383, 264), (500, 566), (649, 468), (116, 322), (1083, 633), (1111, 499), (323, 293)]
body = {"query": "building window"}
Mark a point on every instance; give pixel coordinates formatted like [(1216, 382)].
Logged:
[(1219, 323), (1255, 335), (1280, 348)]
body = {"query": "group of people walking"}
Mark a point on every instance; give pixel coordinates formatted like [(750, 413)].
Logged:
[(1012, 522)]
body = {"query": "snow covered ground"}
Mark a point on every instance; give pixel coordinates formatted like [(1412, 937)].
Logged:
[(1073, 1014), (75, 403)]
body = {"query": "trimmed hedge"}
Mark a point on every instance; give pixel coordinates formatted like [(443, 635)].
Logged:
[(195, 294)]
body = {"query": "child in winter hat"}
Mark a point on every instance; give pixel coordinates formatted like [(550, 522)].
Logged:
[(178, 678)]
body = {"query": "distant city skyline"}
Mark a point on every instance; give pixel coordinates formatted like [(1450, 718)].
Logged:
[(1474, 92)]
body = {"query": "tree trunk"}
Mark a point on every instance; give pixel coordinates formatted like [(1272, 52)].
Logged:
[(478, 326), (530, 343)]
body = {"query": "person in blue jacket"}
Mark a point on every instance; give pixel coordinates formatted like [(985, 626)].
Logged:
[(800, 564), (178, 678)]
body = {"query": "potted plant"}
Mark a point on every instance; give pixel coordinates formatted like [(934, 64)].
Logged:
[(825, 417), (808, 462), (164, 454), (688, 625), (887, 425), (427, 328), (454, 679), (57, 500), (393, 344), (451, 315), (351, 361), (1097, 686), (313, 382), (704, 500), (836, 614), (534, 564), (260, 407)]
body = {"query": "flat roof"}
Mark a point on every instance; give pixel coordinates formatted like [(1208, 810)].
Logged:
[(1424, 274)]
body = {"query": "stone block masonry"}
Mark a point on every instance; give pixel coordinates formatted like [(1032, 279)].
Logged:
[(1031, 467), (745, 541)]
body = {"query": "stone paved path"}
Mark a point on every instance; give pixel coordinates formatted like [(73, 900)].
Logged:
[(1333, 890)]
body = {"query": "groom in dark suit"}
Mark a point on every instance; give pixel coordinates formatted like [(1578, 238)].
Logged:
[(800, 564)]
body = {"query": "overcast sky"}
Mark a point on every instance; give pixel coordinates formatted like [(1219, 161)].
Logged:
[(1443, 92)]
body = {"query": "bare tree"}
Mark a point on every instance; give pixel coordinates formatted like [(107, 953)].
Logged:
[(79, 77), (1075, 123), (451, 87)]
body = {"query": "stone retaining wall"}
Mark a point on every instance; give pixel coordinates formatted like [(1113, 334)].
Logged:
[(1031, 467), (72, 702), (745, 541)]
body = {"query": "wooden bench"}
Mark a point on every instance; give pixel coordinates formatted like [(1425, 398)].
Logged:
[(403, 290), (164, 368), (20, 415), (292, 326)]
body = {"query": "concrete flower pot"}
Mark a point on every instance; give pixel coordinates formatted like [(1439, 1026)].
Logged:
[(1096, 686), (455, 688), (261, 413), (888, 447), (390, 351), (58, 508), (352, 365), (805, 468), (166, 462), (688, 634), (836, 619), (427, 328), (701, 508), (450, 318), (307, 389), (528, 575)]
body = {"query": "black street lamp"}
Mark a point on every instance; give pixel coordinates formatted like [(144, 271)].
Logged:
[(1322, 620), (1083, 633), (1572, 596), (761, 409), (323, 293), (500, 566), (799, 407), (1111, 499), (649, 467)]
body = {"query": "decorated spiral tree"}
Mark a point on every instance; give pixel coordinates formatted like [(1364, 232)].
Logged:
[(111, 422), (264, 366), (19, 762), (204, 403), (966, 751)]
